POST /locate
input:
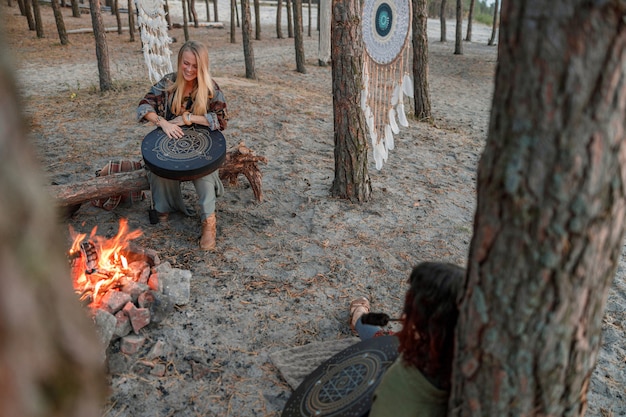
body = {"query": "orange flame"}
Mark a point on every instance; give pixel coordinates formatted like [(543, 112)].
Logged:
[(111, 265)]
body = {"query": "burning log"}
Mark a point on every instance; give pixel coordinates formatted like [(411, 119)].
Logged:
[(240, 160)]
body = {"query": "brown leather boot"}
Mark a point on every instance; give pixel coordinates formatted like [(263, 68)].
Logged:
[(209, 230)]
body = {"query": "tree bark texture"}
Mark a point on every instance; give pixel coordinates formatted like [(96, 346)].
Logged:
[(246, 32), (420, 60), (299, 36), (58, 18), (102, 52), (215, 12), (550, 216), (458, 41), (352, 180), (51, 362)]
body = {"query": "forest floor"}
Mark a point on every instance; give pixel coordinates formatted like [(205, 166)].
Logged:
[(286, 268)]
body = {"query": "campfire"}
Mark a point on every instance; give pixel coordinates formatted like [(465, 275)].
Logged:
[(125, 286), (100, 264)]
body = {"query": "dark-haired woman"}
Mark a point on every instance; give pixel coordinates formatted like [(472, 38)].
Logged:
[(418, 383)]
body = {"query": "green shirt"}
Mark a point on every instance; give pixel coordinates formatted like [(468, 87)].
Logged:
[(405, 392)]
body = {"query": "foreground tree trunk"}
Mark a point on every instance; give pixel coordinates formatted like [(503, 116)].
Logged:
[(299, 35), (51, 362), (352, 180), (102, 52), (551, 192), (420, 60)]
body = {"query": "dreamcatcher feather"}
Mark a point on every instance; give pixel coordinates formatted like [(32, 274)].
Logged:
[(154, 37), (386, 79)]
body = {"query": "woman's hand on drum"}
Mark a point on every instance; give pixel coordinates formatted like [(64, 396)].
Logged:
[(172, 128)]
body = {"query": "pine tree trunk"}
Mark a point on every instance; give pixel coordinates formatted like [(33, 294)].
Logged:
[(279, 19), (470, 18), (194, 13), (289, 19), (131, 20), (246, 32), (257, 20), (208, 14), (28, 13), (233, 13), (185, 20), (215, 12), (494, 27), (420, 60), (102, 52), (442, 21), (324, 17), (299, 35), (75, 9), (168, 17), (51, 362), (549, 222), (458, 42), (118, 18), (38, 21), (352, 180), (58, 18)]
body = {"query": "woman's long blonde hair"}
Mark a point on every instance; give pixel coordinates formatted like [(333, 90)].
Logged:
[(203, 91)]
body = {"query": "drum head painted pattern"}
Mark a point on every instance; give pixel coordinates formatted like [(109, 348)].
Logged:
[(385, 28), (196, 154), (343, 385)]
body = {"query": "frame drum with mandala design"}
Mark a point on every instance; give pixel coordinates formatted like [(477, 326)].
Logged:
[(343, 385), (198, 153)]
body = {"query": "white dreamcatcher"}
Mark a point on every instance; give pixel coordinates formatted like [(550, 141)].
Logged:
[(154, 37), (386, 79)]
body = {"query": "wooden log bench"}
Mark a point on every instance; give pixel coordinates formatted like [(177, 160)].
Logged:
[(240, 160)]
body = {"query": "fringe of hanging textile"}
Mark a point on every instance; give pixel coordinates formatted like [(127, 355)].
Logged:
[(386, 80), (155, 38)]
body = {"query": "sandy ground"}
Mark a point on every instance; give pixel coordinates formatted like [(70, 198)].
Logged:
[(286, 268)]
